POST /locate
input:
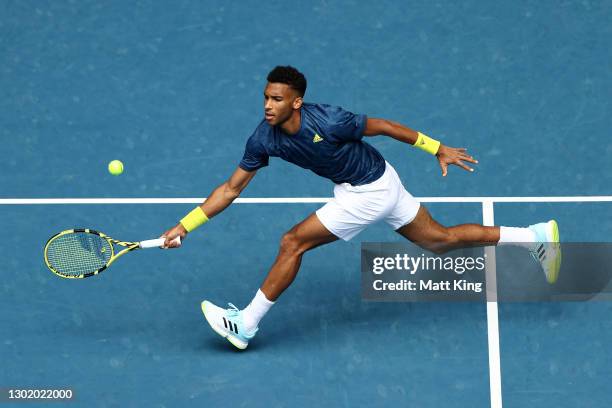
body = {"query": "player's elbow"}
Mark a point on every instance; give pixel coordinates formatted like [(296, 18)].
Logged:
[(230, 192)]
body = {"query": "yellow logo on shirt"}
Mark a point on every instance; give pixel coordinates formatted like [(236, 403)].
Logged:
[(316, 138)]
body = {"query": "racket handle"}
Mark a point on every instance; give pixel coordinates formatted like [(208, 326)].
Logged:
[(154, 243)]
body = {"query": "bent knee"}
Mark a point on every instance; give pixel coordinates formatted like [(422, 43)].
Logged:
[(441, 243), (290, 243)]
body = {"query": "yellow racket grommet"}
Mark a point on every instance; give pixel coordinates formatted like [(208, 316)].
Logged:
[(194, 219)]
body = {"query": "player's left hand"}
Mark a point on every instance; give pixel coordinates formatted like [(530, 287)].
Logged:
[(454, 155)]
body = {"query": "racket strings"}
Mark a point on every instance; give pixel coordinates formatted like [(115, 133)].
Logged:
[(78, 253)]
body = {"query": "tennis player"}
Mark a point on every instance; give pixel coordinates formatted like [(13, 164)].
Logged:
[(328, 140)]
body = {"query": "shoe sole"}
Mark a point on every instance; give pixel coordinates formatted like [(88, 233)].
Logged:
[(552, 278), (235, 342)]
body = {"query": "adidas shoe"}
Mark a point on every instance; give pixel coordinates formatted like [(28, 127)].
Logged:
[(547, 250), (227, 323)]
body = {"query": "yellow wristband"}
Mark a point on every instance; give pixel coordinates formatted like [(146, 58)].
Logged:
[(427, 144), (194, 219)]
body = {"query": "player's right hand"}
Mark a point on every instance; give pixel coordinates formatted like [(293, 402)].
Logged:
[(177, 231)]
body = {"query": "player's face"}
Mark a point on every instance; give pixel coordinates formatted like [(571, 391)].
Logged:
[(280, 100)]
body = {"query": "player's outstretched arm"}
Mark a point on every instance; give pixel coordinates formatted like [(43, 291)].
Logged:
[(217, 201), (446, 155)]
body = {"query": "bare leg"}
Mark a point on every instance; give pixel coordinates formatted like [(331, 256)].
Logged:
[(429, 234), (306, 235)]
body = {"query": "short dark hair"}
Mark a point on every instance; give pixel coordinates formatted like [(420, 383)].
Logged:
[(290, 76)]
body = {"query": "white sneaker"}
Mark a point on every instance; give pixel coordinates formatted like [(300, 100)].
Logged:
[(227, 323), (547, 250)]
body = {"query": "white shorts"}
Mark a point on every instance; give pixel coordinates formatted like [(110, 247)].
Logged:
[(353, 208)]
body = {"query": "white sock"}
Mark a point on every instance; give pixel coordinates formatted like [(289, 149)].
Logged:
[(255, 311), (523, 237)]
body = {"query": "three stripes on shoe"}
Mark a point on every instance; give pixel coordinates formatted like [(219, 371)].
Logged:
[(230, 325), (540, 251)]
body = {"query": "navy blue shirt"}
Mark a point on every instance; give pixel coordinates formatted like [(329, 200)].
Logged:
[(328, 143)]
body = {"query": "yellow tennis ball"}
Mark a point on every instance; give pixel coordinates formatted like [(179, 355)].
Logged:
[(115, 167)]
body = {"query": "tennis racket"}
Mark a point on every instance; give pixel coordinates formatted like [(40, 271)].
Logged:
[(80, 253)]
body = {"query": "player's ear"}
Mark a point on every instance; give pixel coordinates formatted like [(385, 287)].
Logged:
[(297, 102)]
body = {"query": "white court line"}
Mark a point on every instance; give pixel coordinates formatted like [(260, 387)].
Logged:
[(488, 218), (290, 200)]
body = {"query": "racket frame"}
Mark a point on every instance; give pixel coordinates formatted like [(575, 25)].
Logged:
[(130, 246)]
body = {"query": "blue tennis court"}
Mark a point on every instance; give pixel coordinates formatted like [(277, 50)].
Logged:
[(174, 90)]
